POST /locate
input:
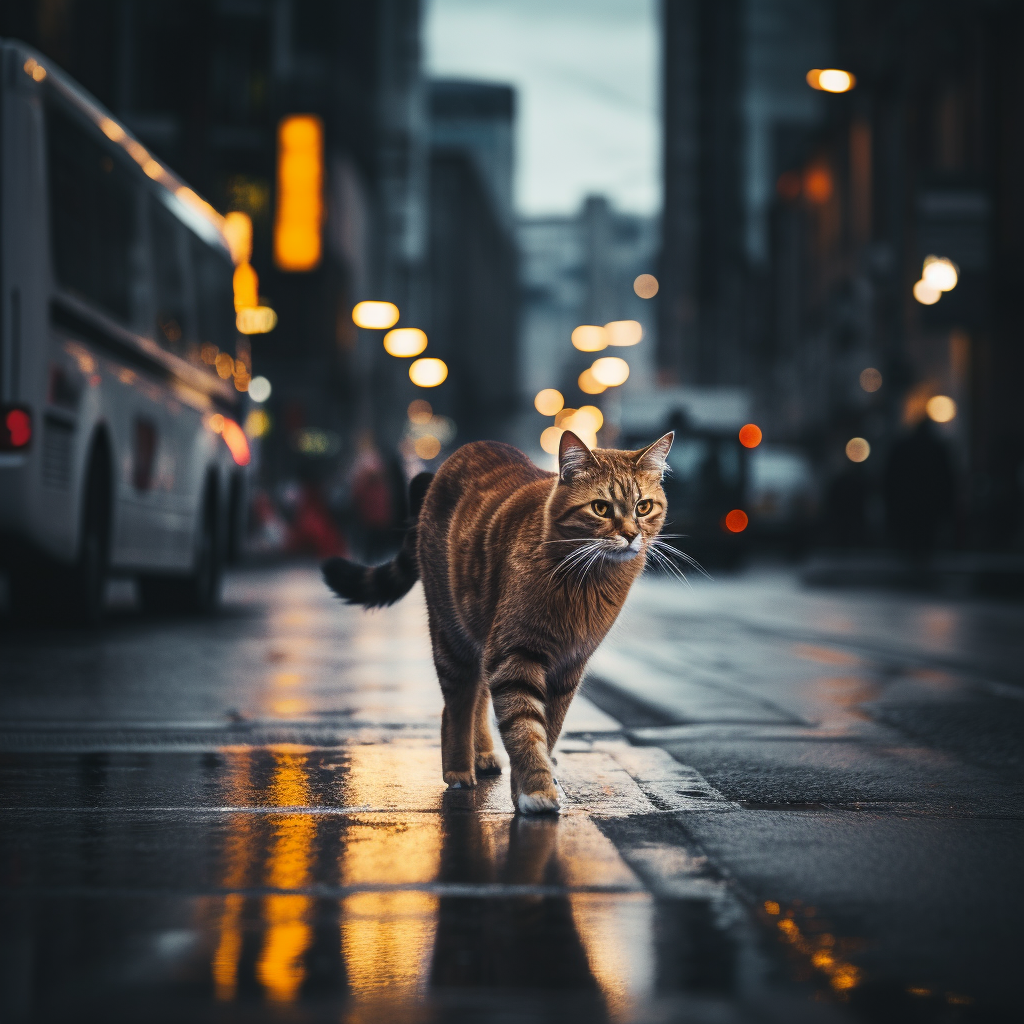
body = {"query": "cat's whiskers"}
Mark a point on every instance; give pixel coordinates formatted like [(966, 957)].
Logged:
[(571, 560), (659, 559), (676, 553)]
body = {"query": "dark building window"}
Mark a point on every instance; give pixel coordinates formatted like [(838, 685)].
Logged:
[(169, 280), (215, 306), (92, 216)]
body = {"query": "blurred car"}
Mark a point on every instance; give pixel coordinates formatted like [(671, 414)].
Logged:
[(782, 497)]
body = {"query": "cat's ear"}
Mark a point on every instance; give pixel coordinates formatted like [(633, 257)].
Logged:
[(655, 458), (573, 456)]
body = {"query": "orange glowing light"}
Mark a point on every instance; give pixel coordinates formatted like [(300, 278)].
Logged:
[(375, 316), (857, 449), (256, 319), (548, 402), (247, 285), (428, 373), (750, 435), (646, 286), (611, 371), (590, 338), (589, 384), (736, 521), (940, 408), (224, 365), (427, 447), (420, 411), (111, 129), (238, 233), (624, 332), (830, 80), (404, 342), (237, 442), (300, 174), (549, 439), (870, 379), (818, 184)]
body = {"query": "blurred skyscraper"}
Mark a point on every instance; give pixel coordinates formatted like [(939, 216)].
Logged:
[(472, 265), (797, 222)]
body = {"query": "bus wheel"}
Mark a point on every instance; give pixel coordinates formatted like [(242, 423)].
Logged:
[(199, 591), (83, 586)]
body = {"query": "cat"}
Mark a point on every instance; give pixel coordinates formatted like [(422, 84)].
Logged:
[(524, 572)]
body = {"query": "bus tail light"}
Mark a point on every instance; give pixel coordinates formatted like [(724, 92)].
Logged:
[(234, 437), (15, 428)]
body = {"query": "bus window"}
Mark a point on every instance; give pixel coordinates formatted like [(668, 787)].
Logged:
[(215, 304), (171, 325), (93, 216)]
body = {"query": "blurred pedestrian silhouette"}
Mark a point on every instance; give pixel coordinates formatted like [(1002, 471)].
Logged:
[(920, 490)]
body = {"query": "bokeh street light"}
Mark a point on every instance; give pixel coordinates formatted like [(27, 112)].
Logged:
[(259, 389), (590, 338), (870, 379), (420, 411), (940, 409), (300, 209), (589, 384), (624, 332), (940, 273), (375, 316), (830, 80), (857, 449), (736, 521), (404, 342), (548, 402), (610, 371), (646, 286), (750, 435), (428, 373), (549, 439)]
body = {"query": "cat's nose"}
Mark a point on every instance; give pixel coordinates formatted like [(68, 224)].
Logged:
[(632, 540)]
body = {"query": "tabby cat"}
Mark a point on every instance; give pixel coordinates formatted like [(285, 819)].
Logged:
[(524, 573)]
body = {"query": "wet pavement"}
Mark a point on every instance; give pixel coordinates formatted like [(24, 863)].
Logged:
[(781, 804)]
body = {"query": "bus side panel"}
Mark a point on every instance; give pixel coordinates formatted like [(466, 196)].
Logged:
[(40, 498)]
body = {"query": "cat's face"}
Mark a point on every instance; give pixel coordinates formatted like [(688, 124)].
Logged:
[(609, 498)]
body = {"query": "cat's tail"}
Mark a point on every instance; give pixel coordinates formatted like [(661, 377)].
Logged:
[(382, 585)]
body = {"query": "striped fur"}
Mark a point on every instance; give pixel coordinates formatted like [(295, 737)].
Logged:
[(523, 578)]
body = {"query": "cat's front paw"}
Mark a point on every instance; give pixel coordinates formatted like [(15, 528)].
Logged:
[(460, 780), (541, 801), (487, 764)]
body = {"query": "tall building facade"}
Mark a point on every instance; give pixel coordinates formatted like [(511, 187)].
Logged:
[(797, 222), (472, 267)]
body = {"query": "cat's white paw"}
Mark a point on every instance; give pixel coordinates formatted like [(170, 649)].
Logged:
[(538, 803)]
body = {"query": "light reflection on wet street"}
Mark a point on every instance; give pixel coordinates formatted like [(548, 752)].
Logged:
[(779, 805)]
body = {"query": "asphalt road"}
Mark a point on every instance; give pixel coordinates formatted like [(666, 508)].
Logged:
[(780, 805)]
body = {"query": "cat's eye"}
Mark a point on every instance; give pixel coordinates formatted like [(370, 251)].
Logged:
[(601, 508), (644, 506)]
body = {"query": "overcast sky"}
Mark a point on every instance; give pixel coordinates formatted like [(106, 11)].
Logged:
[(586, 74)]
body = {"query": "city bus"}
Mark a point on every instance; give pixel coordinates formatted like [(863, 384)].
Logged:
[(122, 376)]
